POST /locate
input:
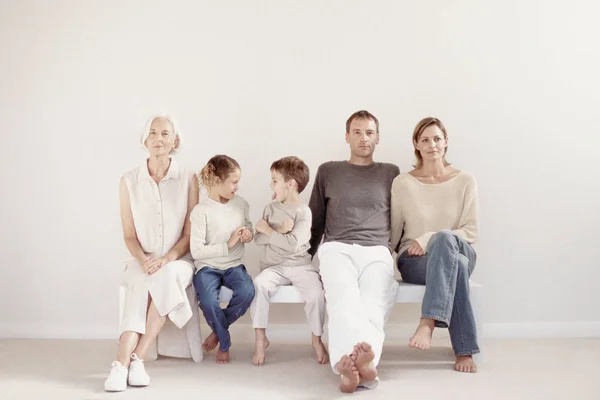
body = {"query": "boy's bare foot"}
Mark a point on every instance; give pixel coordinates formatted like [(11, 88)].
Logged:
[(222, 357), (260, 351), (320, 350), (349, 374), (211, 342), (422, 338), (363, 356), (465, 364)]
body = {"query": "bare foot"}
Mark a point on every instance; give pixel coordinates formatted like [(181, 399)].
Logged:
[(320, 350), (349, 374), (363, 356), (211, 342), (465, 364), (222, 357), (422, 338), (260, 351)]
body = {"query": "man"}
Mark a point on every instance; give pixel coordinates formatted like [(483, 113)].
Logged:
[(350, 205)]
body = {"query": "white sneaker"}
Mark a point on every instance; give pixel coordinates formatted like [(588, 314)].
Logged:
[(117, 379), (137, 372)]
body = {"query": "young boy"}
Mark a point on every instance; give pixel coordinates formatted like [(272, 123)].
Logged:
[(284, 232)]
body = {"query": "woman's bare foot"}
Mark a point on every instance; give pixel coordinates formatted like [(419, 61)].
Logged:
[(349, 374), (363, 356), (260, 349), (422, 338), (222, 357), (320, 350), (465, 364), (211, 342)]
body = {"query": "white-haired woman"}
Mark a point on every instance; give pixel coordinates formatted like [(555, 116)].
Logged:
[(156, 200)]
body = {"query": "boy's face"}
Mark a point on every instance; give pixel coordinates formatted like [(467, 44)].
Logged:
[(281, 189)]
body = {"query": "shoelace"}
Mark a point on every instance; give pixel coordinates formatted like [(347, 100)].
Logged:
[(134, 358)]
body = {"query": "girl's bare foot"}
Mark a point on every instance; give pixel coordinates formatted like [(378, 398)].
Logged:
[(465, 364), (222, 357), (363, 356), (320, 350), (211, 342), (349, 374), (260, 350), (422, 338)]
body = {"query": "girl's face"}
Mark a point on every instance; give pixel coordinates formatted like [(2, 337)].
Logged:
[(227, 188)]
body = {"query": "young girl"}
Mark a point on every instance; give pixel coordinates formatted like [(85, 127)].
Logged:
[(220, 227)]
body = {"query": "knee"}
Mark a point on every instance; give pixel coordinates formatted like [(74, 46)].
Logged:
[(261, 285), (444, 237), (316, 297), (246, 291)]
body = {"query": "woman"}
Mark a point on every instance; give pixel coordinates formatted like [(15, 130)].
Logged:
[(156, 200), (434, 223)]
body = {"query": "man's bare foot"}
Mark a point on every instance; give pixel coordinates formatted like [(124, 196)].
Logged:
[(320, 350), (363, 356), (260, 351), (211, 342), (222, 357), (465, 364), (422, 338), (349, 374)]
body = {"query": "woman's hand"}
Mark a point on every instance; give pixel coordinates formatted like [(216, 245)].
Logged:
[(415, 249), (152, 265)]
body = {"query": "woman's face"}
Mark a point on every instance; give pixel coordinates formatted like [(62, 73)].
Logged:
[(161, 139), (431, 144)]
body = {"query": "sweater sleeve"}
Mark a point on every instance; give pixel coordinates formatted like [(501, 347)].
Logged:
[(468, 222), (318, 208), (260, 239), (247, 221), (298, 237), (198, 247), (396, 215), (468, 226)]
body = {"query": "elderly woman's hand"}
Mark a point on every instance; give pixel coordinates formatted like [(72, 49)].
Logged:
[(152, 265)]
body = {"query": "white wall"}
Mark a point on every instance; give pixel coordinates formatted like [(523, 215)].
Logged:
[(516, 84)]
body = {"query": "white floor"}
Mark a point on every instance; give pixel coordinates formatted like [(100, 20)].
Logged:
[(511, 369)]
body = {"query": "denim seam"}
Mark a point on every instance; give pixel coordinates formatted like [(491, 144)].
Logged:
[(455, 272)]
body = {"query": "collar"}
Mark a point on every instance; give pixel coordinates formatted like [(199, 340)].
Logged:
[(172, 173)]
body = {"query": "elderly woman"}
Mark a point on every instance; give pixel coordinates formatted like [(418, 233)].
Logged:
[(156, 200)]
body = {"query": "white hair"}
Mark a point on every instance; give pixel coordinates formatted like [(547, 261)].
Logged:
[(146, 131)]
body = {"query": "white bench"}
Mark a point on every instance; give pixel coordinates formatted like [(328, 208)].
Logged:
[(407, 293)]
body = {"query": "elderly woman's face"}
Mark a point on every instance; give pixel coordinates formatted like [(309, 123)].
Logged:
[(162, 139)]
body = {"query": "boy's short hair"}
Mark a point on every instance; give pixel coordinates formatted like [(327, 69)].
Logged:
[(293, 168)]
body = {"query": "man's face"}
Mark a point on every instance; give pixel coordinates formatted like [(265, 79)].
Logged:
[(362, 137)]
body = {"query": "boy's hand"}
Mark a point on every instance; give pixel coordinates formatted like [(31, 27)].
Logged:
[(286, 227), (245, 235), (235, 237), (263, 227)]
